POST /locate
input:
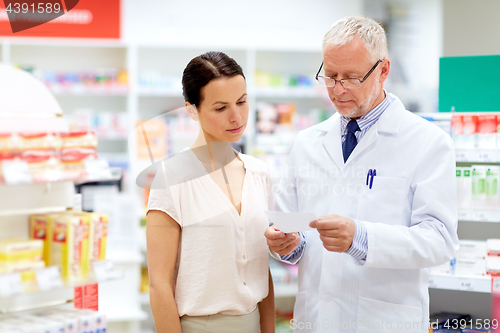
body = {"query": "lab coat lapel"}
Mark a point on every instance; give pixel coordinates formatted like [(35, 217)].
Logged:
[(332, 141), (388, 123), (368, 139)]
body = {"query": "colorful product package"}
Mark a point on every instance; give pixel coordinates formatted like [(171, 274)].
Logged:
[(470, 130), (98, 233), (40, 151), (76, 147), (491, 186), (8, 150), (69, 245), (457, 131), (25, 268), (40, 229), (479, 186), (493, 247), (486, 131), (17, 249)]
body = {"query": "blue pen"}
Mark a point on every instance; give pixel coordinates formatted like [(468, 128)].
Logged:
[(374, 173), (369, 177)]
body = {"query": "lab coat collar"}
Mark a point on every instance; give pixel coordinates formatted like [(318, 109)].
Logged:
[(388, 123)]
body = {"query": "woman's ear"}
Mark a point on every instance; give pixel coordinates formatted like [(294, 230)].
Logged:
[(192, 112)]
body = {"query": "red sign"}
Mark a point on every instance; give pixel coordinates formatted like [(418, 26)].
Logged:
[(60, 18)]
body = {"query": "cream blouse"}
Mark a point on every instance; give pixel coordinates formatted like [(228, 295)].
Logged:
[(222, 262)]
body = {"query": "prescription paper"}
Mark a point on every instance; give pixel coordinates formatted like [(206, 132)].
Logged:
[(291, 222)]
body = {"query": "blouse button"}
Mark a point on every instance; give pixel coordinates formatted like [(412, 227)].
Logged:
[(245, 283), (244, 256), (241, 228)]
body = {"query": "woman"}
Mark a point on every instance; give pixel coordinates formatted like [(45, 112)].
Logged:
[(207, 254)]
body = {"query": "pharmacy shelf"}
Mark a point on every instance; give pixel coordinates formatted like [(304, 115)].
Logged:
[(481, 284), (31, 301), (290, 92), (472, 215), (477, 155), (42, 198), (89, 91), (41, 299), (159, 92)]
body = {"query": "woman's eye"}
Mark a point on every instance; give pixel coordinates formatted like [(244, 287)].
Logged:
[(242, 102), (220, 109)]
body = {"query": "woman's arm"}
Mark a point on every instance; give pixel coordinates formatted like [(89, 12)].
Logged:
[(267, 311), (162, 234)]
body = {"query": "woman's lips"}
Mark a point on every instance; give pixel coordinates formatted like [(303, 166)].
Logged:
[(236, 130)]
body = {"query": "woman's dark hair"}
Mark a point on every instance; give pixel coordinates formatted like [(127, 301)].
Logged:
[(203, 69)]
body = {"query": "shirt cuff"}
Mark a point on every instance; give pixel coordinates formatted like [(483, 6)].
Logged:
[(359, 247), (297, 253)]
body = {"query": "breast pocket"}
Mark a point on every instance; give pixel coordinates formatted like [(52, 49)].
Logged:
[(384, 202)]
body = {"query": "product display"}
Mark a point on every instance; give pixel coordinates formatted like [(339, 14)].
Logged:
[(21, 256), (475, 131), (48, 156), (105, 80), (477, 186), (106, 125), (72, 240)]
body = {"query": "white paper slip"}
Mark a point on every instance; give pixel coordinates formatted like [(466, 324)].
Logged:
[(291, 222)]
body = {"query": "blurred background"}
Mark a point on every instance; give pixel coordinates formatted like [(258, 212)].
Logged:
[(116, 64)]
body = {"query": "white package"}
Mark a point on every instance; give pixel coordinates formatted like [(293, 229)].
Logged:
[(493, 246), (471, 249)]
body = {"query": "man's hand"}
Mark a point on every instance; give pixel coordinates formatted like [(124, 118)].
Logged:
[(280, 242), (336, 232)]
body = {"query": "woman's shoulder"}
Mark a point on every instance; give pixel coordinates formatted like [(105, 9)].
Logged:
[(182, 167), (254, 164)]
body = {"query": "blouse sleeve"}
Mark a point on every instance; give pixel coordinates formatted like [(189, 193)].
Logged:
[(160, 196)]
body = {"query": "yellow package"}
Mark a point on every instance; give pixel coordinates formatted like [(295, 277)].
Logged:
[(98, 232), (40, 229), (69, 246), (25, 268), (100, 236), (18, 249)]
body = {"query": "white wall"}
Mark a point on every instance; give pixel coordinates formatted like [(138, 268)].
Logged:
[(414, 34), (295, 24), (471, 27)]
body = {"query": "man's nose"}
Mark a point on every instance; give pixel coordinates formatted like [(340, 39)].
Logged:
[(338, 89)]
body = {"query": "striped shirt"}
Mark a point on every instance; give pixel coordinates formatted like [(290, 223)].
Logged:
[(359, 247)]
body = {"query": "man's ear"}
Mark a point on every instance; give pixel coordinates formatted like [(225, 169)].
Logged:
[(192, 112)]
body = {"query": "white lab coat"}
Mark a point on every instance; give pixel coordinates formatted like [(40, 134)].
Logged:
[(410, 214)]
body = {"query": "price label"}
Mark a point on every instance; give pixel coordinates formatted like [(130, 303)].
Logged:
[(495, 284), (10, 284), (480, 216), (461, 156), (484, 157), (463, 215), (48, 278), (465, 284), (16, 172), (103, 270), (432, 282)]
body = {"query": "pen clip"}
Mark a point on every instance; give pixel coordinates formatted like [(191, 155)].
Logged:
[(368, 176), (373, 174)]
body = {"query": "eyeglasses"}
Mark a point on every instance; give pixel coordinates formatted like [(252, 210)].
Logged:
[(346, 83)]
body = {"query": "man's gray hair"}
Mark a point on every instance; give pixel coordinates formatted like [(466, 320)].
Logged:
[(367, 30)]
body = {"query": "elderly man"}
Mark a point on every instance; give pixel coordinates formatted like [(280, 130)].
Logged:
[(382, 183)]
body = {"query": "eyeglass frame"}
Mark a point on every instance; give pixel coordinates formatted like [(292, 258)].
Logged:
[(341, 80)]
